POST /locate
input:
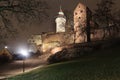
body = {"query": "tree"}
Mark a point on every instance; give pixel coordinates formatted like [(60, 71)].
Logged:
[(88, 27), (117, 20), (69, 23), (23, 10), (103, 14)]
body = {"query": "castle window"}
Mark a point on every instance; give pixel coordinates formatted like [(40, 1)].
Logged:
[(75, 13), (79, 17), (30, 41), (33, 41), (79, 6), (81, 11)]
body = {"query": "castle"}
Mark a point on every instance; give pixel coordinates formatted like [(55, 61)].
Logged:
[(61, 37)]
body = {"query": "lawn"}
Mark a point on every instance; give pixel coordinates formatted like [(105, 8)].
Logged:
[(105, 65)]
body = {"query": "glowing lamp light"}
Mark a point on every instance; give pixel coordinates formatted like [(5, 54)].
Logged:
[(55, 50), (24, 53), (30, 50), (6, 47)]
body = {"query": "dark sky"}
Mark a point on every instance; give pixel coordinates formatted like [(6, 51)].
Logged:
[(54, 8)]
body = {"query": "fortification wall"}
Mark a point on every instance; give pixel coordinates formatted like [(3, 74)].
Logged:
[(52, 40)]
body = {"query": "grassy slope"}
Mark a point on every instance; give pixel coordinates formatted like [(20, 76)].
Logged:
[(99, 66)]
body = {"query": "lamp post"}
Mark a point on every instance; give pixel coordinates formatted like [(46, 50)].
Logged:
[(25, 54), (23, 65)]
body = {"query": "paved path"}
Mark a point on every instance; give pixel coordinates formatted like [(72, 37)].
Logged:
[(16, 67)]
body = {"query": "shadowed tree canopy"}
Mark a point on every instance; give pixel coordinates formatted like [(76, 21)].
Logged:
[(23, 10), (70, 23), (103, 14), (117, 18)]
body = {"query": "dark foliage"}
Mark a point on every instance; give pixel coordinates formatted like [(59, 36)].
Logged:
[(67, 54), (106, 17), (4, 58), (70, 22), (103, 13), (24, 11)]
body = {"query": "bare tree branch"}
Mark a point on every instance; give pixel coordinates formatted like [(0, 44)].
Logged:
[(24, 10)]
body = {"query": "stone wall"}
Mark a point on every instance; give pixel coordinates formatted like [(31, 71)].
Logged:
[(52, 40), (103, 33)]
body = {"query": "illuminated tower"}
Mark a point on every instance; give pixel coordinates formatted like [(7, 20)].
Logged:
[(81, 18), (60, 21)]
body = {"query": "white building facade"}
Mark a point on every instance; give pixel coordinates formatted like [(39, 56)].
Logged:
[(60, 22)]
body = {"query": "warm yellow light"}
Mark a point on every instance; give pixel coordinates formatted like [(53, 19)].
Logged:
[(6, 47), (55, 50)]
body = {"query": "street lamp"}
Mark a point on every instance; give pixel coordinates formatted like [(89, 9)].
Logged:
[(23, 65), (25, 54), (6, 47)]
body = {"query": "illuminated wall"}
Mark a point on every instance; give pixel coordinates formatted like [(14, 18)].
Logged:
[(80, 20), (34, 42), (35, 39), (52, 40)]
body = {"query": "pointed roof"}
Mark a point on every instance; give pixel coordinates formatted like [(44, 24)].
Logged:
[(61, 11), (80, 5)]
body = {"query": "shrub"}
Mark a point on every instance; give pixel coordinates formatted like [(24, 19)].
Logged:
[(66, 54), (4, 59), (57, 57)]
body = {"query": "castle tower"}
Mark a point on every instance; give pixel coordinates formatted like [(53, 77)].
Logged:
[(60, 21), (80, 23)]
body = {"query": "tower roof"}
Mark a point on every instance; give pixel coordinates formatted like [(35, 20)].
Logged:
[(61, 11), (80, 5)]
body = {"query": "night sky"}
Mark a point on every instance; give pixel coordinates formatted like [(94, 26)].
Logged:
[(52, 12)]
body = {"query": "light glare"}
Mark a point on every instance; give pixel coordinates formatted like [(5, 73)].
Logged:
[(6, 47), (24, 53)]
